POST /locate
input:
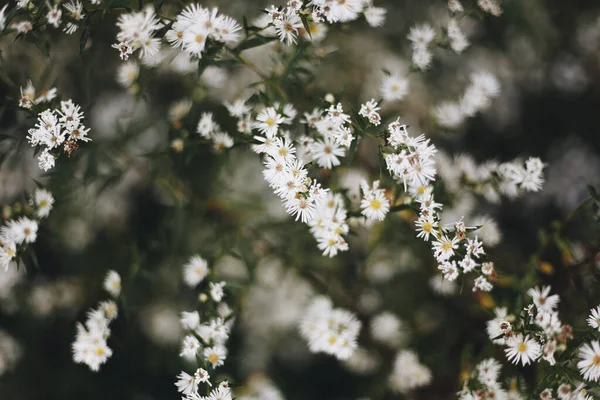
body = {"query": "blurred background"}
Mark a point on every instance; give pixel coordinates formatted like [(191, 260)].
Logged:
[(126, 201)]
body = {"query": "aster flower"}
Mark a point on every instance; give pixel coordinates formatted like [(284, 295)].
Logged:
[(589, 364), (522, 349)]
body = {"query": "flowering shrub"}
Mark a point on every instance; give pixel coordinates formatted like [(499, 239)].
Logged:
[(246, 204)]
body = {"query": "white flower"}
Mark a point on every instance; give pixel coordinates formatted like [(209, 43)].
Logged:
[(488, 372), (594, 318), (328, 330), (494, 326), (22, 230), (589, 366), (326, 152), (194, 271), (543, 302), (127, 73), (522, 349), (190, 320), (375, 16), (112, 283), (393, 87), (449, 115), (215, 355), (387, 328), (408, 373), (268, 121), (43, 200), (374, 204), (189, 347), (186, 384), (216, 291)]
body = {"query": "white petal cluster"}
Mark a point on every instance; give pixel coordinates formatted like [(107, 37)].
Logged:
[(288, 24), (334, 135), (421, 37), (484, 382), (16, 234), (29, 97), (56, 128), (393, 87), (195, 25), (209, 129), (330, 330), (408, 373), (522, 346), (477, 97), (369, 111), (413, 163), (90, 347), (137, 33), (205, 340), (490, 6), (516, 179), (374, 204), (388, 329), (112, 283), (288, 177), (458, 40)]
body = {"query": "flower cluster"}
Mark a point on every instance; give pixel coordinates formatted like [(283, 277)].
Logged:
[(205, 340), (209, 129), (74, 14), (491, 179), (56, 128), (421, 36), (408, 373), (330, 330), (477, 97), (17, 233), (539, 334), (288, 21), (137, 32), (90, 347), (29, 97), (413, 161), (484, 383), (303, 197), (195, 25), (369, 111), (333, 135)]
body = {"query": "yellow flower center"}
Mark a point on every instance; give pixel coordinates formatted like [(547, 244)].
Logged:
[(375, 204), (522, 347), (270, 121), (213, 358), (427, 227), (447, 246)]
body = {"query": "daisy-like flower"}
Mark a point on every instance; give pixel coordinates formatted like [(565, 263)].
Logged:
[(127, 73), (112, 283), (43, 200), (523, 349), (426, 225), (326, 152), (194, 271), (374, 204), (215, 355), (216, 291), (543, 302), (393, 87), (444, 247), (594, 318), (54, 16), (186, 384), (287, 26), (589, 366), (268, 121)]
